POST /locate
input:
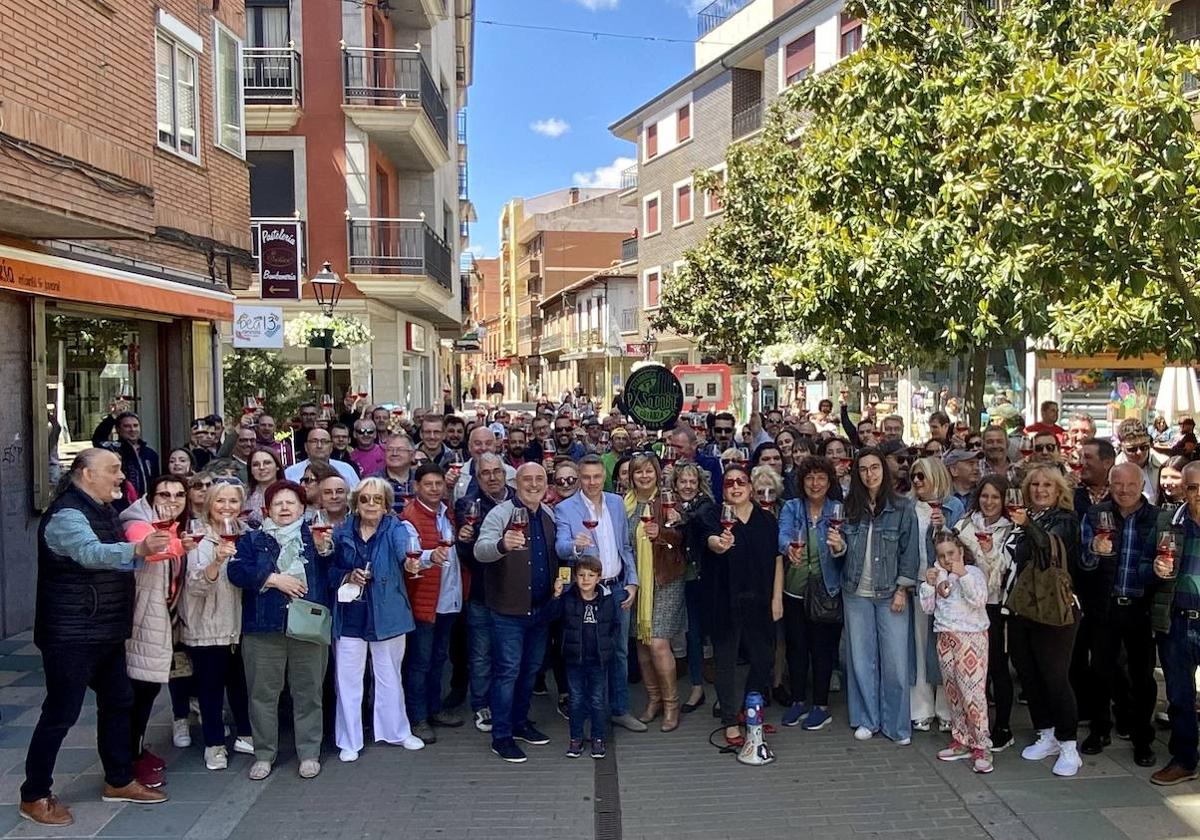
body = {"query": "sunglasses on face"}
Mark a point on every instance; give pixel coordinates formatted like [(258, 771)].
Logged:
[(1133, 450), (974, 446), (200, 485), (1046, 447), (918, 476), (566, 480), (373, 499), (369, 431), (736, 482)]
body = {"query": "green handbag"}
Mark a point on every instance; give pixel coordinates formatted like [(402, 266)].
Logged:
[(309, 622)]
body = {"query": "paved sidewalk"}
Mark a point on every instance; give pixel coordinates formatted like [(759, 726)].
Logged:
[(823, 785)]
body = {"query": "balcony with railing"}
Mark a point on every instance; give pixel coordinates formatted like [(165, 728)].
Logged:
[(273, 87), (392, 96), (629, 178), (716, 13), (748, 120), (629, 249), (405, 263)]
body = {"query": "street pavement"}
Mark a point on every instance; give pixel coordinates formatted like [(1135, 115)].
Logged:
[(653, 785)]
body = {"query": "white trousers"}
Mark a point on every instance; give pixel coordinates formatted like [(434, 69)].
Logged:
[(926, 699), (390, 718)]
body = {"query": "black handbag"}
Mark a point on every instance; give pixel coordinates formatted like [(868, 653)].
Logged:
[(821, 607)]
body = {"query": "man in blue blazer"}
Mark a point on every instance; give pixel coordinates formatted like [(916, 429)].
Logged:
[(608, 540)]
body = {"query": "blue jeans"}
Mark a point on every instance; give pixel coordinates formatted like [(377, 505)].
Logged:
[(518, 646), (424, 664), (879, 667), (1179, 655), (589, 698), (695, 633), (479, 653), (618, 666)]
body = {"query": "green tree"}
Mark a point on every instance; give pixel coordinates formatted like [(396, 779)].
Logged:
[(968, 178), (284, 384)]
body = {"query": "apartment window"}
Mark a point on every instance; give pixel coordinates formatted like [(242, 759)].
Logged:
[(651, 223), (227, 90), (178, 97), (272, 183), (683, 203), (651, 140), (852, 35), (653, 277), (799, 57), (714, 201), (683, 118)]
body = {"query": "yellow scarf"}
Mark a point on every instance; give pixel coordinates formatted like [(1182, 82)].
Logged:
[(644, 554)]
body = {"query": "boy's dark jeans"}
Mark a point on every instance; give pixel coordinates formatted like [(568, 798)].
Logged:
[(589, 697)]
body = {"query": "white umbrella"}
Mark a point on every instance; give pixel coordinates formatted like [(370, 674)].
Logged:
[(1178, 394)]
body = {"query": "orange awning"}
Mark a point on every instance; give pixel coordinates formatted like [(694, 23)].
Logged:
[(56, 277)]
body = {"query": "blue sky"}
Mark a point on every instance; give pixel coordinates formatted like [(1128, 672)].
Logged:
[(541, 103)]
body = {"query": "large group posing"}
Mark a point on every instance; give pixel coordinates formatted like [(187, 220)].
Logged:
[(574, 543)]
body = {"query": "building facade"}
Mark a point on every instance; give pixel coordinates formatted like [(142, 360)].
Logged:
[(357, 123), (124, 228)]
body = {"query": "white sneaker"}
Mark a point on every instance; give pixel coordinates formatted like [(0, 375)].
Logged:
[(863, 733), (215, 758), (348, 755), (1045, 746), (309, 768), (1068, 762), (412, 742), (245, 746), (483, 720), (181, 736), (904, 742)]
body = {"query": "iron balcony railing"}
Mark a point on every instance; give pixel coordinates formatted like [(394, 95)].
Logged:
[(393, 77), (398, 246), (629, 178), (748, 120), (629, 249), (271, 76), (716, 13), (462, 182)]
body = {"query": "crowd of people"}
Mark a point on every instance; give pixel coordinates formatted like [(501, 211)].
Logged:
[(566, 544)]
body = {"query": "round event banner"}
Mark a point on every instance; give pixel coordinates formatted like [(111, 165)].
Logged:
[(653, 397)]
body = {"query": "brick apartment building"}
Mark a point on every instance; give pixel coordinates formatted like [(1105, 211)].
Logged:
[(124, 228)]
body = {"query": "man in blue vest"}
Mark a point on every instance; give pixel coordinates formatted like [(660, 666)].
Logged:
[(84, 615)]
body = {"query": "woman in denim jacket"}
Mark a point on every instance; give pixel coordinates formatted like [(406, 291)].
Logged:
[(880, 556)]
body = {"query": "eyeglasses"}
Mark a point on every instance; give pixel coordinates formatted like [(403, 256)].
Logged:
[(371, 499), (1046, 447), (917, 476), (566, 481), (735, 482), (199, 485), (368, 431), (1133, 450), (974, 446)]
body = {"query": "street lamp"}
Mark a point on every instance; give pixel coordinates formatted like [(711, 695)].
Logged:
[(327, 289), (650, 340)]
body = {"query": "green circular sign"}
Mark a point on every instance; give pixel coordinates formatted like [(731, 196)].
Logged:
[(653, 397)]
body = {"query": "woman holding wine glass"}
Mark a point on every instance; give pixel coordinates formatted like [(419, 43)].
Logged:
[(150, 649), (694, 507), (742, 593), (272, 566), (210, 614), (985, 530), (1042, 653), (811, 630), (371, 614), (658, 548), (264, 470), (878, 549)]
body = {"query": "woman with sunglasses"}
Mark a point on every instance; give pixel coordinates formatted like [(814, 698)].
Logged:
[(150, 649), (565, 483), (371, 614), (1042, 653), (878, 548), (658, 549), (936, 508), (985, 531), (264, 470), (742, 589), (210, 615), (694, 505), (804, 542)]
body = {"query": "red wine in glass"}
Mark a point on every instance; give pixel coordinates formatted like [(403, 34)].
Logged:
[(321, 530), (229, 538), (837, 516), (414, 554), (520, 520), (727, 518), (797, 541), (1104, 527), (1026, 447), (1014, 500), (591, 524), (473, 513)]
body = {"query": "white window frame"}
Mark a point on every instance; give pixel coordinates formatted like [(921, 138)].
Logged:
[(724, 170), (646, 199), (646, 287), (220, 30), (178, 49), (690, 184)]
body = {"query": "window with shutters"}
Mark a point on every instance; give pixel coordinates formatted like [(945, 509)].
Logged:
[(714, 202), (651, 223), (178, 97), (1184, 20), (652, 276), (852, 34), (683, 202), (799, 57), (227, 91), (651, 141), (683, 127)]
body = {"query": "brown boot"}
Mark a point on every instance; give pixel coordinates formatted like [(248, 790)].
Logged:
[(133, 792), (650, 680), (47, 811), (668, 686)]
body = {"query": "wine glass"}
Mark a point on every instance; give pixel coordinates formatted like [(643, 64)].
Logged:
[(766, 497), (163, 518), (727, 517), (320, 524), (196, 530), (667, 499), (326, 401), (260, 397), (647, 513), (413, 552), (798, 539), (837, 516), (249, 405), (1027, 446), (229, 530), (743, 456), (1014, 500), (473, 513), (519, 520), (1104, 524)]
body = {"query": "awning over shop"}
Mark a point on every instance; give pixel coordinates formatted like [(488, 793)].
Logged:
[(56, 277), (1178, 394)]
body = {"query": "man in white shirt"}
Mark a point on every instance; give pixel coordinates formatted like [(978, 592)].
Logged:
[(319, 446)]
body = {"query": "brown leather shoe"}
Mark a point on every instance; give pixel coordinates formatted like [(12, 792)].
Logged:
[(1173, 774), (47, 811), (133, 792)]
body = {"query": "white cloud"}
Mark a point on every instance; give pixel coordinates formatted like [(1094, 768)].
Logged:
[(598, 5), (604, 176), (552, 127)]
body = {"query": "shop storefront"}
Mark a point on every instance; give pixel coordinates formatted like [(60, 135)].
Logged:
[(1104, 387)]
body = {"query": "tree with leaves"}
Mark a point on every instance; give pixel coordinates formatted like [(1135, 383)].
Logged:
[(969, 178), (284, 384)]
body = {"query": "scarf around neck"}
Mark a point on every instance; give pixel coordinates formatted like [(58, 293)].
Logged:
[(291, 547)]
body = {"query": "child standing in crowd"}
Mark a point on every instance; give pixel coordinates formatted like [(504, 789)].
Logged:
[(955, 593), (591, 626)]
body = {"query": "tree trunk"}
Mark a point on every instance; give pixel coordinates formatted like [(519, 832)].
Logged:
[(973, 399)]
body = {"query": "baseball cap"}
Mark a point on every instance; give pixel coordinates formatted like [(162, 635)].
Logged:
[(1131, 429), (499, 431), (957, 456)]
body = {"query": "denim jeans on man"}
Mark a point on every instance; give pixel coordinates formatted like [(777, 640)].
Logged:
[(1179, 655), (618, 666), (424, 664), (879, 668), (479, 653), (518, 646), (589, 698)]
